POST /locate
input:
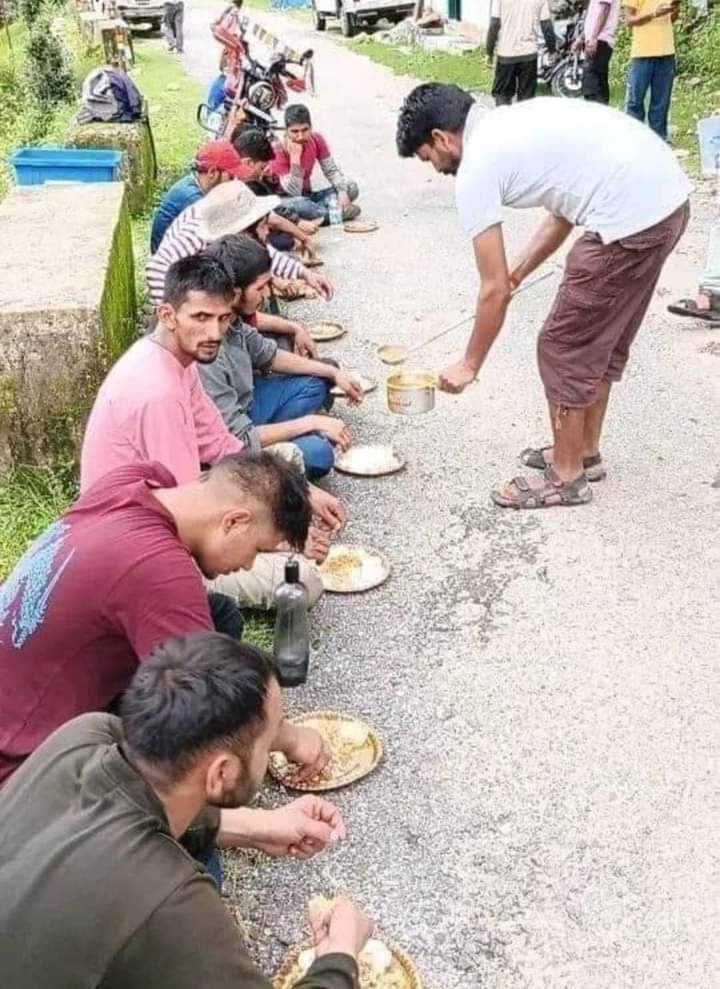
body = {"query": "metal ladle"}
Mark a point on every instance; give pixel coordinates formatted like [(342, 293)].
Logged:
[(391, 353)]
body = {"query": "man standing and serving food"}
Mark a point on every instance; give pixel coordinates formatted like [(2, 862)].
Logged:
[(588, 166)]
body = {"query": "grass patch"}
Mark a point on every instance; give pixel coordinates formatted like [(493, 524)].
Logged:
[(259, 629), (173, 99), (470, 70), (30, 499)]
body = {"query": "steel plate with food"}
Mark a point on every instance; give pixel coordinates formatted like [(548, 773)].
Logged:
[(355, 750), (371, 460), (382, 966), (349, 569), (360, 226), (367, 384), (326, 330)]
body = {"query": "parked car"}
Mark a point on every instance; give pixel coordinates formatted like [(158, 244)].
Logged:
[(354, 13), (141, 12)]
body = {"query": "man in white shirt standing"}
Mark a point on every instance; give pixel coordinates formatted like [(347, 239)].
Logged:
[(588, 166), (512, 37)]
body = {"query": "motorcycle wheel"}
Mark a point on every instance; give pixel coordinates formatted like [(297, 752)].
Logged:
[(567, 78)]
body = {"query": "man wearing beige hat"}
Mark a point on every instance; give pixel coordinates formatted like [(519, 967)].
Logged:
[(230, 208)]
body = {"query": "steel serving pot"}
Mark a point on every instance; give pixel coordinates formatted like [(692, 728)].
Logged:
[(411, 392)]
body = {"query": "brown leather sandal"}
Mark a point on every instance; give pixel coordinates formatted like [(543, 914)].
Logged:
[(534, 457), (550, 492)]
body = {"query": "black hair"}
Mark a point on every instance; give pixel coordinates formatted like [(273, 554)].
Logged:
[(431, 106), (193, 694), (244, 258), (251, 142), (198, 273), (274, 482), (297, 113)]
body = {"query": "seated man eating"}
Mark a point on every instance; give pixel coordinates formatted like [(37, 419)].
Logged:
[(98, 892), (258, 407), (215, 162), (256, 153), (293, 165), (122, 571), (152, 406), (229, 209)]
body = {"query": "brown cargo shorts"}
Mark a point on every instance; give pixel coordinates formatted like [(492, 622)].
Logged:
[(601, 302)]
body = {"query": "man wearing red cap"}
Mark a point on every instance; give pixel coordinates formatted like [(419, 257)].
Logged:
[(215, 162)]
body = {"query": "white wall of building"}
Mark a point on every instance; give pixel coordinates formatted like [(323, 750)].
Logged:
[(475, 12)]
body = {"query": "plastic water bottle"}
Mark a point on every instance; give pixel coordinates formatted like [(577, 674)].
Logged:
[(335, 213), (291, 647)]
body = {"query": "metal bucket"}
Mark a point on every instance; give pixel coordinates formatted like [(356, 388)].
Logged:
[(411, 392)]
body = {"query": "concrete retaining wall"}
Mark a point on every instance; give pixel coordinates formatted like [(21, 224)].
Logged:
[(138, 165), (67, 312)]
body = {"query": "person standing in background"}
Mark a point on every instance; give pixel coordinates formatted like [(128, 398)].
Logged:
[(512, 37), (597, 40), (652, 61), (173, 17)]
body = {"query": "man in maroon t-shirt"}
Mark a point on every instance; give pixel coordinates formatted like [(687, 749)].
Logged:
[(294, 162), (119, 573)]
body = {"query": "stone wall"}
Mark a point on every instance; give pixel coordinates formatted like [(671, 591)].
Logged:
[(139, 167), (67, 312)]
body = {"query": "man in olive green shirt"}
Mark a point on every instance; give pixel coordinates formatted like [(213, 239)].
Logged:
[(97, 891)]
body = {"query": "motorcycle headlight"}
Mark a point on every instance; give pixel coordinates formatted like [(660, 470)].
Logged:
[(261, 95)]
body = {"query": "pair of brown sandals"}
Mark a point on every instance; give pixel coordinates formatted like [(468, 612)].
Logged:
[(551, 491)]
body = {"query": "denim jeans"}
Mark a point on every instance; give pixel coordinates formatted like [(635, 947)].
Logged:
[(210, 858), (657, 75), (282, 397), (314, 205)]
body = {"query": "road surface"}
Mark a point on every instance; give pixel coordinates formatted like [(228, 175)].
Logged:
[(545, 684)]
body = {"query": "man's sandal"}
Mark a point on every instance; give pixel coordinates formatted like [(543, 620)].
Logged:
[(535, 457), (689, 307), (551, 491)]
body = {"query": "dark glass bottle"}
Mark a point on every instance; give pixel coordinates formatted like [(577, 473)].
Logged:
[(291, 647)]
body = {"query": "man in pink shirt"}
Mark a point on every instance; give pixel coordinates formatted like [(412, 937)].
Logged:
[(597, 40), (152, 406)]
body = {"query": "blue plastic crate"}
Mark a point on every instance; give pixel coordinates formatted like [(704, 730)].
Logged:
[(35, 166)]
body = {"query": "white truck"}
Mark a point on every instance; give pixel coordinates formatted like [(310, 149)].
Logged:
[(353, 13)]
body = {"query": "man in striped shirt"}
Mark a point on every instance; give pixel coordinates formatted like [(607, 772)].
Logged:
[(230, 208)]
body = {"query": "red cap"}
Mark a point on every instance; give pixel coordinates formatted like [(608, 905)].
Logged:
[(220, 155)]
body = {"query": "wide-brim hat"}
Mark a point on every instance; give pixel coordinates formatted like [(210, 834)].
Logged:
[(230, 208)]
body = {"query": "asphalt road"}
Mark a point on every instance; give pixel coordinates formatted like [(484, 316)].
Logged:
[(545, 684)]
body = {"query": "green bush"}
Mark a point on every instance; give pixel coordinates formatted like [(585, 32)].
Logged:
[(697, 46), (48, 73), (30, 10)]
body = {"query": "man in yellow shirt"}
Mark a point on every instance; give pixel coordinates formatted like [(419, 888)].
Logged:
[(652, 60)]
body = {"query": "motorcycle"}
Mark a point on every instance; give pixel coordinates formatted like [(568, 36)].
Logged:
[(563, 70), (253, 90), (252, 97)]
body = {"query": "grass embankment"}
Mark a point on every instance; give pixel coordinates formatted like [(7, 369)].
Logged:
[(697, 86), (21, 122), (32, 497), (173, 99)]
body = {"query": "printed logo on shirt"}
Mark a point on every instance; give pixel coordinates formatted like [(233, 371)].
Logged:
[(25, 595)]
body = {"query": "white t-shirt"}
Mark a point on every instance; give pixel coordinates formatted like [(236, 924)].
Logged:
[(594, 166), (519, 23)]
